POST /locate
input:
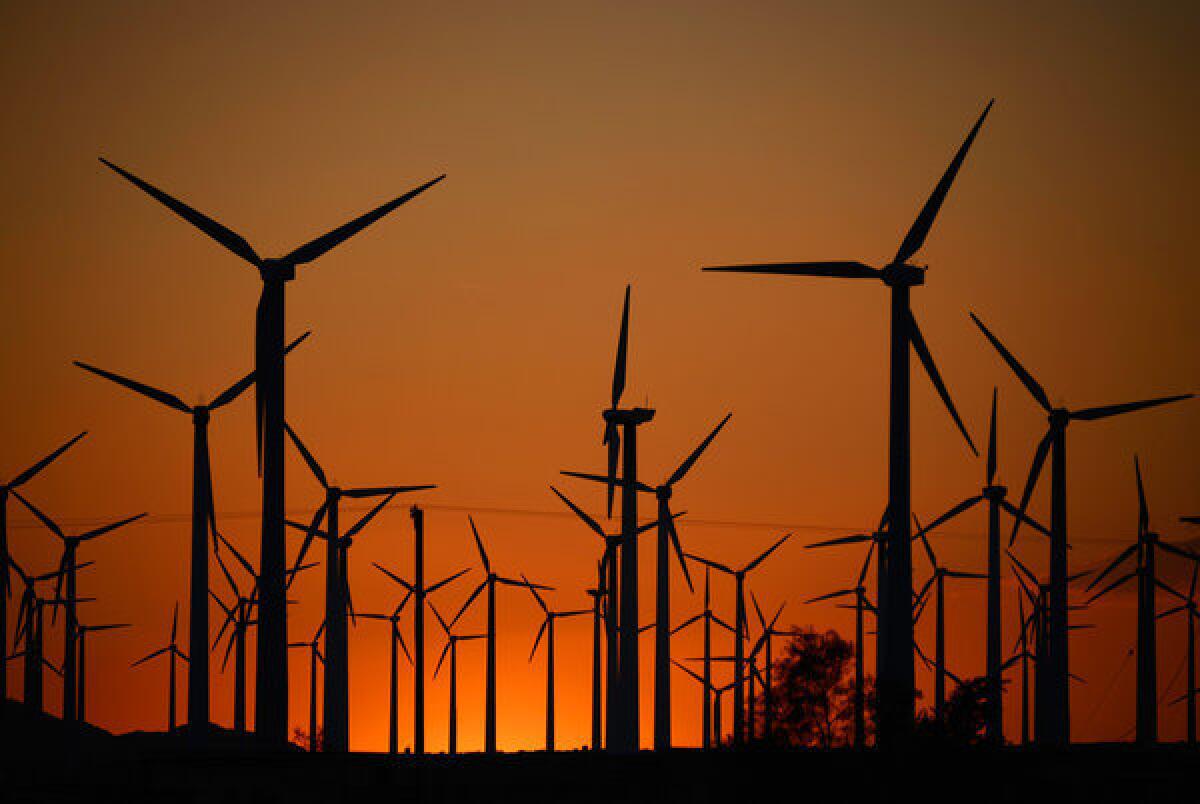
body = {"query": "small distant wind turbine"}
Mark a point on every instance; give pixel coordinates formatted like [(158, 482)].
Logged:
[(452, 640), (84, 630), (1192, 613), (547, 630), (5, 591), (202, 508), (1143, 550), (598, 616), (417, 592), (708, 618), (314, 655), (896, 681), (1053, 719), (739, 624), (30, 625), (489, 583), (764, 644), (271, 697), (396, 639), (68, 565), (172, 652)]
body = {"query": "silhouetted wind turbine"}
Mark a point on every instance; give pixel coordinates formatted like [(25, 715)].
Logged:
[(708, 618), (667, 537), (1023, 655), (1053, 714), (418, 592), (610, 587), (764, 644), (395, 638), (68, 565), (172, 652), (84, 630), (271, 697), (995, 495), (1143, 550), (202, 505), (861, 604), (314, 656), (337, 587), (489, 583), (30, 625), (5, 591), (896, 679), (739, 624), (705, 704), (452, 640), (547, 630), (598, 616), (1192, 613), (937, 582)]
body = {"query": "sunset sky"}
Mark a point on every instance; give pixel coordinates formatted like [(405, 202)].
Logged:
[(467, 340)]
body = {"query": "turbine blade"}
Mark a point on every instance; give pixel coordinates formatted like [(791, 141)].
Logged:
[(29, 473), (487, 565), (1121, 556), (379, 491), (223, 235), (1127, 576), (168, 399), (1033, 523), (100, 531), (831, 595), (838, 269), (447, 580), (579, 512), (690, 460), (620, 365), (674, 534), (313, 466), (1091, 414), (469, 601), (538, 640), (393, 576), (640, 486), (767, 552), (1143, 511), (962, 507), (1039, 457), (612, 438), (49, 523), (238, 388), (362, 523), (536, 596), (315, 248), (991, 454), (1036, 390), (862, 575), (918, 341), (709, 563), (857, 537)]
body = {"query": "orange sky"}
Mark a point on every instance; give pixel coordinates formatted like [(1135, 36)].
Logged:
[(468, 339)]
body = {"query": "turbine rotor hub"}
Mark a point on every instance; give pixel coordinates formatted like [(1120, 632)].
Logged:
[(995, 493), (903, 275), (1059, 417)]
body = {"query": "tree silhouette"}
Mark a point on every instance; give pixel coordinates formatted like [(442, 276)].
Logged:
[(966, 712), (302, 738), (813, 691)]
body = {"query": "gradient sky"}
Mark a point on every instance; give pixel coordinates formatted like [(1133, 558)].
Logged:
[(468, 339)]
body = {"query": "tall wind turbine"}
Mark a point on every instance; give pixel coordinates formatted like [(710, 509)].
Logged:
[(1143, 551), (547, 630), (706, 617), (418, 592), (68, 565), (598, 617), (337, 606), (172, 652), (271, 691), (489, 583), (739, 639), (1189, 609), (996, 503), (1053, 715), (395, 639), (937, 582), (5, 591), (452, 640), (84, 630), (896, 680), (202, 506), (667, 537), (314, 655)]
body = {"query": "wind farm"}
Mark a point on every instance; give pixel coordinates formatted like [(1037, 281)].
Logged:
[(351, 582)]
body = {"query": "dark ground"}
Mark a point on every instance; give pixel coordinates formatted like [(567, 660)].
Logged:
[(43, 761)]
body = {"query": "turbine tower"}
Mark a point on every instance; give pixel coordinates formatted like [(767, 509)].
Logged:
[(84, 630), (452, 640), (895, 677), (172, 653), (1052, 724), (547, 630), (271, 688)]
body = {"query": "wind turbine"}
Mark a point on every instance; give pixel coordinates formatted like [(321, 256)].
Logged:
[(452, 640), (705, 704), (1192, 613), (610, 588), (84, 630), (489, 583), (937, 582), (547, 630), (764, 643), (418, 592), (1024, 656), (337, 587), (5, 591), (1053, 719), (707, 617), (896, 680), (667, 537), (271, 694), (172, 652), (1143, 550), (996, 502), (598, 617), (68, 565), (202, 504), (30, 625), (314, 656), (861, 604), (739, 624), (395, 638)]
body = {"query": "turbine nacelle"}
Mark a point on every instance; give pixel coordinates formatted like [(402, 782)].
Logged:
[(995, 493), (277, 270), (898, 274), (1059, 418), (628, 416)]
